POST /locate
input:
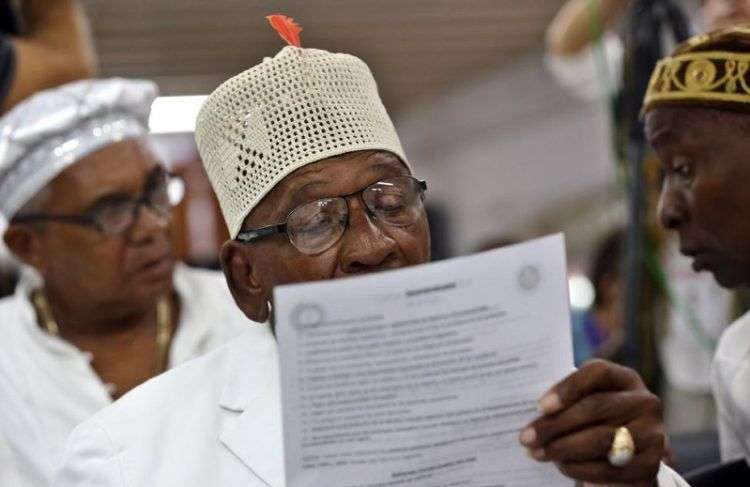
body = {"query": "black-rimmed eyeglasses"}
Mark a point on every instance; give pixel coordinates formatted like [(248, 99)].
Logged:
[(114, 215), (317, 226)]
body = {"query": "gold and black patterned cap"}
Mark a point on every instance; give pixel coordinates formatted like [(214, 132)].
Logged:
[(709, 70)]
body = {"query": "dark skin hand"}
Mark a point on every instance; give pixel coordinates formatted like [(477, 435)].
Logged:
[(580, 416), (704, 196), (102, 289)]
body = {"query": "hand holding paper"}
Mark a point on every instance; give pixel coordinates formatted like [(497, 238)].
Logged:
[(582, 413)]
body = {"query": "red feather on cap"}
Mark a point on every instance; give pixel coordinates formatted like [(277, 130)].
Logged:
[(287, 28)]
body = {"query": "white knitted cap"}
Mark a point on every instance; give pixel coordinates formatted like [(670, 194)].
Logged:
[(294, 109)]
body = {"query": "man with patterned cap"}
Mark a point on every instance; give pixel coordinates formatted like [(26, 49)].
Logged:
[(101, 306), (697, 111), (314, 184)]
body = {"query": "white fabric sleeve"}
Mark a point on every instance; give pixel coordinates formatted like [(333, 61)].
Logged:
[(8, 475), (730, 438), (580, 73), (669, 478), (666, 477), (90, 460)]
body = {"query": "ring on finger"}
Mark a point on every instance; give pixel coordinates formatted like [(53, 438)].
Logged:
[(622, 450)]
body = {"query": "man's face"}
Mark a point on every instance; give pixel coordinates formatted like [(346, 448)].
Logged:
[(725, 13), (705, 197), (367, 245), (84, 264)]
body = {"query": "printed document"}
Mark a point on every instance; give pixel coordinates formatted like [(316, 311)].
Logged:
[(424, 376)]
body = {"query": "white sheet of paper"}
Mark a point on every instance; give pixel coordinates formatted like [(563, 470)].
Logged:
[(424, 376)]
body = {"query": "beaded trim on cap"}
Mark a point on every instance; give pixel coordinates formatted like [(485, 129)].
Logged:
[(701, 76), (709, 70)]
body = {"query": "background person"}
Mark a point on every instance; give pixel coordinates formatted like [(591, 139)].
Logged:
[(44, 44), (102, 305), (698, 120)]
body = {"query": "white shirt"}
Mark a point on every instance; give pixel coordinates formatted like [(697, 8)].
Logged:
[(48, 386), (585, 74), (696, 318), (215, 421), (731, 386), (8, 474)]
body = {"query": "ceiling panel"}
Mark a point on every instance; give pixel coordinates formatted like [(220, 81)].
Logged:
[(415, 47)]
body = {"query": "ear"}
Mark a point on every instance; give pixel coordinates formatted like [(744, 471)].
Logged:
[(245, 285), (25, 245)]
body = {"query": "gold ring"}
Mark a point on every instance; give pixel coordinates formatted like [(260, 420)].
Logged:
[(623, 448)]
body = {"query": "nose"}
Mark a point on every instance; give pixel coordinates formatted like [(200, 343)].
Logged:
[(672, 209), (148, 225), (365, 247)]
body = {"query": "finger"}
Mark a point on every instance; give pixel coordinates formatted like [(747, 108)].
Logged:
[(588, 445), (643, 468), (593, 376), (611, 409), (594, 444)]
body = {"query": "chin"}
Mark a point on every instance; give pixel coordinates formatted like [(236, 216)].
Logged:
[(156, 286), (730, 280)]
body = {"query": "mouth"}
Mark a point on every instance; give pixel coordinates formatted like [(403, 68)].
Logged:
[(701, 258), (157, 267)]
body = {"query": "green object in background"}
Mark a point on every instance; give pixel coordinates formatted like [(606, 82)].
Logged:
[(653, 266)]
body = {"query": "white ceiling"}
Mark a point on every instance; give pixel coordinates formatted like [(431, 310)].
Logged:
[(415, 47)]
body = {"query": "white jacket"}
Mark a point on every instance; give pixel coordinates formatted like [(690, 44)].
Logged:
[(213, 422), (731, 386), (47, 385)]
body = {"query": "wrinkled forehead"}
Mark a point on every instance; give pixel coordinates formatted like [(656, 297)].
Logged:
[(671, 125), (701, 133)]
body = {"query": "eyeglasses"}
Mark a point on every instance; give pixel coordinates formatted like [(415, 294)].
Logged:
[(115, 215), (317, 226)]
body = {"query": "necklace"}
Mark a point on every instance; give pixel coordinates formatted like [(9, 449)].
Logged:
[(163, 328)]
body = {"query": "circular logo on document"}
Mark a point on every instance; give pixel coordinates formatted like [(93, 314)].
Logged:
[(529, 277), (307, 315)]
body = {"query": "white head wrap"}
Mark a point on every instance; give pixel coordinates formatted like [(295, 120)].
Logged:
[(48, 132), (299, 107)]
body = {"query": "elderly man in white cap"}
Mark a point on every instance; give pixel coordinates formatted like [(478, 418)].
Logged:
[(314, 184), (102, 306)]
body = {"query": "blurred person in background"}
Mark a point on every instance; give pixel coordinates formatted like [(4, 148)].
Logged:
[(598, 333), (43, 43), (698, 121), (101, 306), (580, 25)]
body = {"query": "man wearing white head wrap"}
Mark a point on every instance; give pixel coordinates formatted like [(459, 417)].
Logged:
[(314, 184), (101, 307)]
